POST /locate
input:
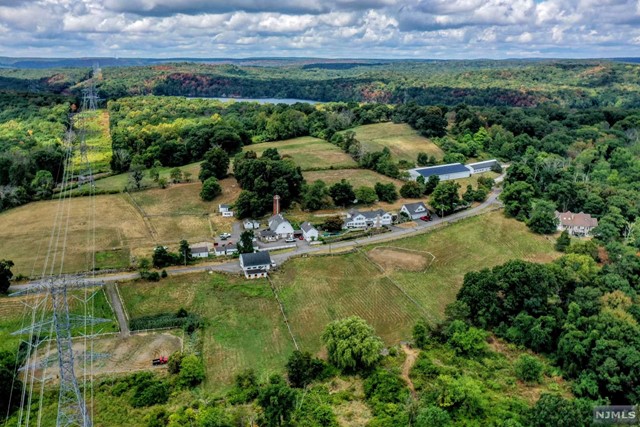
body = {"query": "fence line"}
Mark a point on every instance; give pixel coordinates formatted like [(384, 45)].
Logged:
[(284, 316)]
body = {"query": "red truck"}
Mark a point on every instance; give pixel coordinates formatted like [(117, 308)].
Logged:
[(162, 360)]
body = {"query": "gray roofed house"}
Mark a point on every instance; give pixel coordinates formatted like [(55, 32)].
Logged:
[(267, 235), (255, 265), (362, 219), (309, 232), (444, 172), (280, 226), (199, 251), (415, 210)]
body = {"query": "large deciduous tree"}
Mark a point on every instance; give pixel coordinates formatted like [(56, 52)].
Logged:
[(215, 164), (352, 344), (5, 275)]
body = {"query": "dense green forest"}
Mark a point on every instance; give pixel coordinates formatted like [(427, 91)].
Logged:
[(571, 83), (31, 154)]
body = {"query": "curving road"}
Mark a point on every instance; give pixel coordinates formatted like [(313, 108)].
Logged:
[(234, 266)]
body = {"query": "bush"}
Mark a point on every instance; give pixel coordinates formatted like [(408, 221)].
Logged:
[(164, 274), (302, 369), (432, 416), (191, 371), (174, 362), (528, 369), (245, 387), (210, 189), (466, 340), (150, 392), (421, 334)]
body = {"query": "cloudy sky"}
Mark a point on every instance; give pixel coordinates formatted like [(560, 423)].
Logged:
[(319, 28)]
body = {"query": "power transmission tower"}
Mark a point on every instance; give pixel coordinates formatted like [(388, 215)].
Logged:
[(72, 409)]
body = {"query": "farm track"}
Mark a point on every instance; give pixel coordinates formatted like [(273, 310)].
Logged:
[(491, 203)]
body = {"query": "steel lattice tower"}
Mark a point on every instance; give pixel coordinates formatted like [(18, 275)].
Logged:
[(71, 406), (72, 410)]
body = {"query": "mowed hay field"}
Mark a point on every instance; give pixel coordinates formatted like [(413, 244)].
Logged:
[(317, 290), (472, 244), (357, 177), (309, 153), (25, 232), (125, 224), (243, 325), (404, 142)]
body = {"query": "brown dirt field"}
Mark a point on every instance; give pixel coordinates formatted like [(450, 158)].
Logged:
[(128, 354), (393, 259), (409, 224)]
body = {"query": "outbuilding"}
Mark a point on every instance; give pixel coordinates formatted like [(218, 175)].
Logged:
[(485, 166), (199, 251), (444, 172)]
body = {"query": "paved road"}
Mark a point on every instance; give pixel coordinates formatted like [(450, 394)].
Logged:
[(234, 267)]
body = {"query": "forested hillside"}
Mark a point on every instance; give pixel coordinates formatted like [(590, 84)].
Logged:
[(571, 83)]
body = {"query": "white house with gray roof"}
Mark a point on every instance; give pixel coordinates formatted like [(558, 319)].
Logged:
[(255, 265), (358, 219), (281, 226), (309, 232), (414, 210)]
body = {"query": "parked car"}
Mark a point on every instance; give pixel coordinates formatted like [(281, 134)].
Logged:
[(301, 237), (290, 239), (225, 236), (426, 218)]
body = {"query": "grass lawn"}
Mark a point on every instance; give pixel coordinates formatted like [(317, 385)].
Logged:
[(98, 142), (309, 153), (404, 142), (469, 245), (244, 327)]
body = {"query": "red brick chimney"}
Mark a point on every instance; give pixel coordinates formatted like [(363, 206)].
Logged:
[(276, 204)]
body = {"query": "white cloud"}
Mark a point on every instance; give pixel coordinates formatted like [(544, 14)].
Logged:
[(342, 28)]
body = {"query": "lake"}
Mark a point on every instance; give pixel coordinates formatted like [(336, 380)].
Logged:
[(287, 101)]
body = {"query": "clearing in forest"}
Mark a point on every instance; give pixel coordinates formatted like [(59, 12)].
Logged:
[(309, 153), (404, 142)]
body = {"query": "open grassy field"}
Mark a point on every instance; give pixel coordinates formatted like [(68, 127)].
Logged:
[(357, 177), (15, 315), (119, 182), (244, 327), (309, 153), (98, 142), (317, 290), (469, 245), (404, 142), (125, 225)]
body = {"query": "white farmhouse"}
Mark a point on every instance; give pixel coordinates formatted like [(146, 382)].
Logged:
[(223, 249), (378, 218), (280, 226), (415, 210), (199, 251), (255, 265), (444, 172), (309, 232)]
